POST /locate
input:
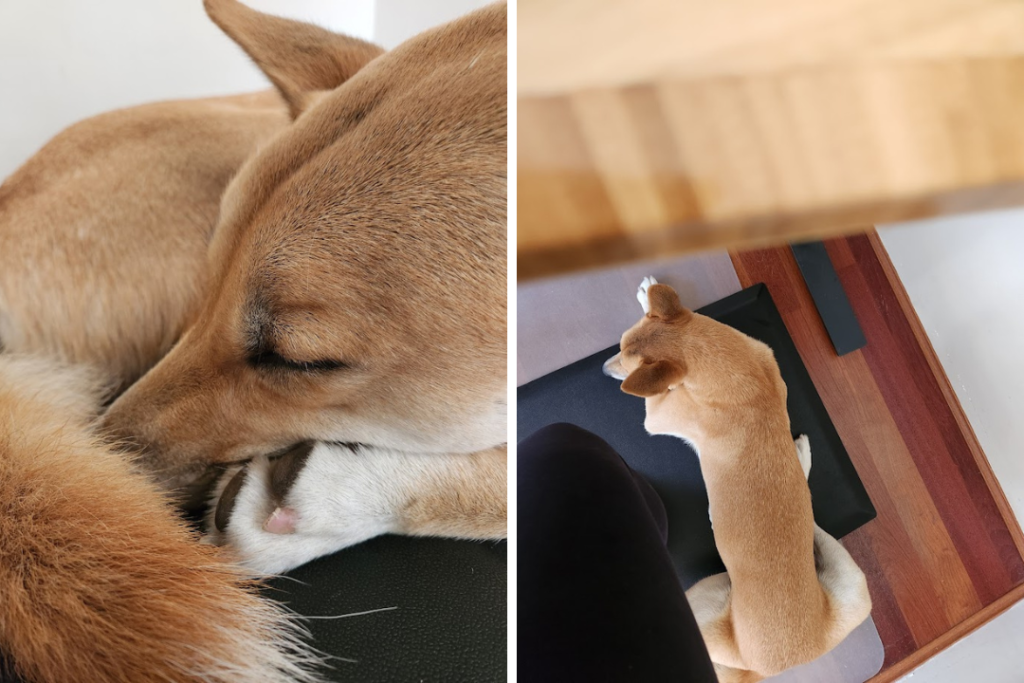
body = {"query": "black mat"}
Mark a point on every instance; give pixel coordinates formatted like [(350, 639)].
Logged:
[(449, 625), (582, 395)]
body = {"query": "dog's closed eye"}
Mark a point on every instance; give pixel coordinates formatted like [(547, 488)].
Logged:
[(272, 359), (265, 341)]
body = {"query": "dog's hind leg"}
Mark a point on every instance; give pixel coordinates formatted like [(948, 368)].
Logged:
[(277, 514), (845, 586), (710, 599)]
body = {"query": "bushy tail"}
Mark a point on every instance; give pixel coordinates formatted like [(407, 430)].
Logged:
[(99, 580)]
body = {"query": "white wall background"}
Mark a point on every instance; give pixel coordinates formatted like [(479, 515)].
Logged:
[(396, 20), (65, 60)]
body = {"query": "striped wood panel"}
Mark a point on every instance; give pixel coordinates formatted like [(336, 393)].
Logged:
[(715, 161), (944, 553)]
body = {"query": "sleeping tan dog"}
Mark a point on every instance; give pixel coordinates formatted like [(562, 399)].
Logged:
[(790, 592), (357, 294), (308, 287)]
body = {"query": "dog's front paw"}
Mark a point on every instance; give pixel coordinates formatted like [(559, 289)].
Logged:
[(641, 293), (803, 453), (278, 513)]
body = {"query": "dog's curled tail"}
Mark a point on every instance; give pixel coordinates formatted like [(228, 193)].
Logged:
[(99, 580)]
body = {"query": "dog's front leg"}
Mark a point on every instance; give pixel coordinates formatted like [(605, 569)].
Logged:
[(317, 499), (462, 496)]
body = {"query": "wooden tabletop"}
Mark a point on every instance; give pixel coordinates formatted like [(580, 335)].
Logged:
[(647, 127)]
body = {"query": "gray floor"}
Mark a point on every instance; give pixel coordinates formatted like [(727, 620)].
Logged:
[(992, 654), (854, 660), (565, 319)]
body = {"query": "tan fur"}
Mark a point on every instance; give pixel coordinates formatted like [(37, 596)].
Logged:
[(465, 499), (722, 391), (300, 59), (100, 580), (371, 230), (103, 233)]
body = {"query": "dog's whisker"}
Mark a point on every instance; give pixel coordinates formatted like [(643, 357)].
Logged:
[(353, 614), (287, 578)]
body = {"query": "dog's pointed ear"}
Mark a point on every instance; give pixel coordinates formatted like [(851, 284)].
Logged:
[(653, 377), (663, 303), (300, 59)]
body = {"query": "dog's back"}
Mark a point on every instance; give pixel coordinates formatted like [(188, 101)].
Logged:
[(791, 592), (759, 500), (104, 231)]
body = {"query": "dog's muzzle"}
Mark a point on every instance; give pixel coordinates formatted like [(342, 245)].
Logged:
[(612, 369)]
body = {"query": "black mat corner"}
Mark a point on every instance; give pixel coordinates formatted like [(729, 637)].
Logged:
[(582, 395), (449, 621)]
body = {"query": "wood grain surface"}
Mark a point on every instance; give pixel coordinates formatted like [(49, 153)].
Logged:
[(647, 127), (944, 555), (573, 45)]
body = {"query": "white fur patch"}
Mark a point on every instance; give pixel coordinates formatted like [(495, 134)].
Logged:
[(342, 496), (803, 452), (641, 293)]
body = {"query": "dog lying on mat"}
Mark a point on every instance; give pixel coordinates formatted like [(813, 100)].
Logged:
[(790, 592), (300, 294)]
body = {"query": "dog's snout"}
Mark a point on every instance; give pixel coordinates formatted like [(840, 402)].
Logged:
[(612, 368)]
